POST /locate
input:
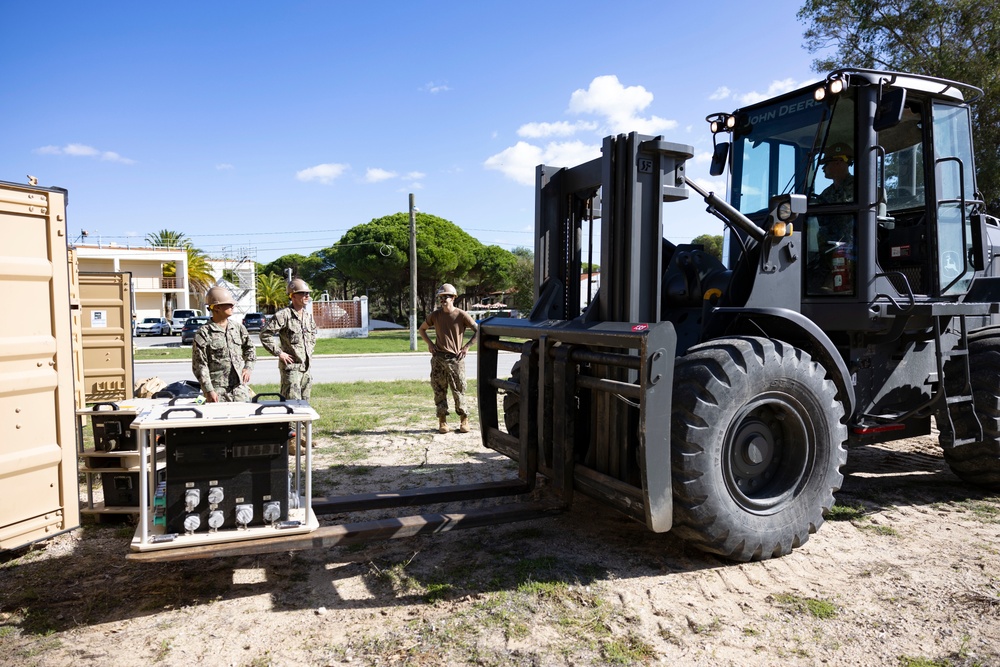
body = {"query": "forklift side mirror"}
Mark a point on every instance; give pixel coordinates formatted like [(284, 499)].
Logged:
[(719, 158), (889, 112)]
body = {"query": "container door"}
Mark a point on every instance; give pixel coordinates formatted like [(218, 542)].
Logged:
[(39, 494), (106, 331)]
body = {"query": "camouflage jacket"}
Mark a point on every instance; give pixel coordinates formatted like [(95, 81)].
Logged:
[(296, 336), (219, 355)]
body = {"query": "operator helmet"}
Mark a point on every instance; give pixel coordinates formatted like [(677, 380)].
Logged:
[(838, 151), (218, 296), (298, 285), (447, 288)]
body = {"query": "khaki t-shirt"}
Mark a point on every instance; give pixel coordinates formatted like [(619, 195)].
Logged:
[(449, 329)]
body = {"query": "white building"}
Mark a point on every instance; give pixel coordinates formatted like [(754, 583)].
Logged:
[(154, 295)]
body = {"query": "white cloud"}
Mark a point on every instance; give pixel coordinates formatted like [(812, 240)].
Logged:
[(434, 88), (375, 175), (704, 157), (617, 109), (519, 161), (225, 166), (718, 186), (82, 150), (415, 175), (619, 106), (721, 93), (776, 88), (560, 129), (322, 173)]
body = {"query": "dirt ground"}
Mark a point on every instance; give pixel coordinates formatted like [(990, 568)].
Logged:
[(907, 572)]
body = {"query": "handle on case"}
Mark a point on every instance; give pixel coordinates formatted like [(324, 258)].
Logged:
[(287, 408), (114, 406), (173, 401), (255, 399), (194, 410)]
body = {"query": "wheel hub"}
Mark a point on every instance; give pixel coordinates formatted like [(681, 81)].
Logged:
[(753, 454)]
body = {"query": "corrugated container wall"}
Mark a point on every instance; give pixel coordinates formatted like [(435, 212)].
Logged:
[(39, 494)]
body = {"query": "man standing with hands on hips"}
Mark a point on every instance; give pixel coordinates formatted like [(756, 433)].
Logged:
[(290, 335), (448, 355)]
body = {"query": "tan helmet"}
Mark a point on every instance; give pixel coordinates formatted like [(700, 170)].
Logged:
[(838, 151), (447, 288), (298, 285), (218, 296)]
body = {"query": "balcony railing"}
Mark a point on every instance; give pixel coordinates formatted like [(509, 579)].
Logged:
[(147, 283)]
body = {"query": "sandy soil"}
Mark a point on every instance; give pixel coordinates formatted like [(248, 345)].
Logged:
[(910, 575)]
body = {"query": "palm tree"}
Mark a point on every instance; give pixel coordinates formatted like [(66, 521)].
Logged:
[(271, 291), (199, 272), (168, 239)]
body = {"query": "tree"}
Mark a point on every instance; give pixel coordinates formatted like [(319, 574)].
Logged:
[(713, 244), (376, 255), (166, 238), (271, 292), (952, 39), (492, 271), (523, 280), (303, 267), (199, 271)]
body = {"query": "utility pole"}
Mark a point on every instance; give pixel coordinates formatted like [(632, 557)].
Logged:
[(413, 276)]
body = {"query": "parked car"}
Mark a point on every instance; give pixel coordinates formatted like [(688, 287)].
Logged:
[(191, 327), (153, 326), (254, 321), (179, 317)]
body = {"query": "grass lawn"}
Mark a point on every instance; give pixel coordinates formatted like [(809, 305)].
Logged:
[(356, 408), (378, 342)]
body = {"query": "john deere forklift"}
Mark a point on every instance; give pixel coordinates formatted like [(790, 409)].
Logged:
[(717, 399), (857, 300)]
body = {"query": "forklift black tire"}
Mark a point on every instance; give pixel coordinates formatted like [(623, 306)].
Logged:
[(979, 462), (512, 404), (757, 445)]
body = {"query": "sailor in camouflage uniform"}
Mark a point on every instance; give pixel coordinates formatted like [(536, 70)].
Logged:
[(222, 354), (448, 355), (836, 231), (291, 336)]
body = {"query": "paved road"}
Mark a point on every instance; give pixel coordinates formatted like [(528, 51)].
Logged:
[(331, 368)]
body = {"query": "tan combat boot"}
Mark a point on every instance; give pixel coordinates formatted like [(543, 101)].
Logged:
[(442, 424), (464, 427)]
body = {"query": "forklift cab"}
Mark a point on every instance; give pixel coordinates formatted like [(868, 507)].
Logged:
[(886, 163)]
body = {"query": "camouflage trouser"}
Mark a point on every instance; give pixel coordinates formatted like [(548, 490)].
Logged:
[(238, 394), (295, 383), (448, 372)]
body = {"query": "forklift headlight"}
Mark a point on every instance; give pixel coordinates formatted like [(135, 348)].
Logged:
[(785, 211), (721, 122)]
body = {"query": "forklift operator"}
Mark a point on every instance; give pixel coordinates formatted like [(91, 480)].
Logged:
[(835, 232), (837, 162)]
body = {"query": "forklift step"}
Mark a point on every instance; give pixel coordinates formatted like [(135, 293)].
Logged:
[(955, 400)]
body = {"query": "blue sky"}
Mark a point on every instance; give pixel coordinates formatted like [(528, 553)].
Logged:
[(280, 125)]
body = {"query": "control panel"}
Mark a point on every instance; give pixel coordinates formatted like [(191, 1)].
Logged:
[(222, 478)]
